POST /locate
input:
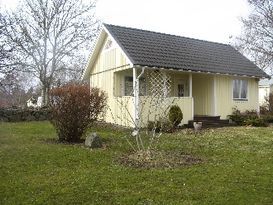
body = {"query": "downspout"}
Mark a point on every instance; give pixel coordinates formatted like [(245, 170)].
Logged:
[(136, 95)]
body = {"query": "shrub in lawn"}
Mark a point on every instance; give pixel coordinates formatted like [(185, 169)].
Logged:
[(74, 108), (268, 118), (167, 126), (248, 117), (264, 110), (163, 125), (175, 115), (256, 122), (154, 126)]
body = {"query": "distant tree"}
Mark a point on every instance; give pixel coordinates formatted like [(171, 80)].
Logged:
[(48, 35), (257, 38), (13, 92)]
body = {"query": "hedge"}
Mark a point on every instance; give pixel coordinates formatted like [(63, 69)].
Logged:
[(24, 114)]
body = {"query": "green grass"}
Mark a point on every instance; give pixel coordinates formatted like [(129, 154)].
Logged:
[(237, 169)]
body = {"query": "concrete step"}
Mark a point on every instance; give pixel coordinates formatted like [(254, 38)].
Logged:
[(205, 117), (210, 123)]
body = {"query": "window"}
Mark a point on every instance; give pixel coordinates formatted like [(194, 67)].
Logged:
[(128, 91), (128, 86), (181, 90), (240, 89), (108, 45)]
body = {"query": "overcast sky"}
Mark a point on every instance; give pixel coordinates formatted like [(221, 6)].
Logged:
[(213, 20)]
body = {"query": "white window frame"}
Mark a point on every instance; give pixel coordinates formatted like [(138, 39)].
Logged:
[(240, 90), (124, 84)]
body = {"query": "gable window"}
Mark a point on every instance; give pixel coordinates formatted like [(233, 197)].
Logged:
[(129, 88), (240, 89), (108, 45)]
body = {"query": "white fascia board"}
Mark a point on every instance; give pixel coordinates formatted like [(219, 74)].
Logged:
[(113, 39), (94, 53)]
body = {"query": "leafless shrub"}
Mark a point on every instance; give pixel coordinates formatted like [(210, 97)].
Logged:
[(74, 108)]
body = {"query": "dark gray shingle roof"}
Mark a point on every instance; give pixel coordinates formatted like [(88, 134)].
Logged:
[(147, 48)]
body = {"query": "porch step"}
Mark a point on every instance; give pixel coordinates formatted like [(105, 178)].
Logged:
[(206, 117), (209, 121)]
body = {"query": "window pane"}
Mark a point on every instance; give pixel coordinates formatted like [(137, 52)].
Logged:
[(128, 86), (243, 89), (236, 87), (181, 90), (142, 86)]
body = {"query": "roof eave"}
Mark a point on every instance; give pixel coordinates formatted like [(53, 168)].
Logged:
[(204, 72)]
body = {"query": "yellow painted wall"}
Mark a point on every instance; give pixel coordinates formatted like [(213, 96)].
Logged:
[(154, 109), (202, 92), (224, 97), (103, 77)]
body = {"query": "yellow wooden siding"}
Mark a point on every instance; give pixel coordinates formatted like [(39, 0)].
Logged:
[(151, 112), (102, 76), (109, 59), (202, 92), (224, 96)]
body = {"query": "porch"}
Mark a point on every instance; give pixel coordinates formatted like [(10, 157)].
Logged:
[(148, 93)]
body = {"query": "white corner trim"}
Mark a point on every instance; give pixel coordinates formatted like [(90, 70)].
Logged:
[(214, 95), (136, 97), (192, 108), (190, 84)]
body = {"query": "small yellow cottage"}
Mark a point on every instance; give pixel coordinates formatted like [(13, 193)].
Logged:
[(140, 69)]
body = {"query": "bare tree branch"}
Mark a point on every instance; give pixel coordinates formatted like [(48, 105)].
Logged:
[(257, 38), (48, 34)]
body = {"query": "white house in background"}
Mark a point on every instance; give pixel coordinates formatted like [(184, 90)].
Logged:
[(265, 87), (32, 102), (40, 101)]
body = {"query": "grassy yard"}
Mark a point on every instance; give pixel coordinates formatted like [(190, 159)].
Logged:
[(237, 168)]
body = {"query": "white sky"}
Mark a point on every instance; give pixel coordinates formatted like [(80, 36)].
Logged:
[(213, 20)]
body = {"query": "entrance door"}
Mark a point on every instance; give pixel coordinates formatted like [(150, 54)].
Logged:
[(181, 88)]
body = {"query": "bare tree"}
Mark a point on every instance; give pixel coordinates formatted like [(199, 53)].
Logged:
[(6, 55), (13, 92), (257, 38), (47, 34)]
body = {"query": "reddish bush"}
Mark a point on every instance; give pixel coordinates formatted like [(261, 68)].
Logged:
[(74, 107)]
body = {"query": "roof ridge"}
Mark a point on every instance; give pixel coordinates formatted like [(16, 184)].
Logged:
[(161, 33)]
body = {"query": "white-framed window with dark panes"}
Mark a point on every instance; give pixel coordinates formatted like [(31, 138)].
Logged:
[(240, 89), (129, 88)]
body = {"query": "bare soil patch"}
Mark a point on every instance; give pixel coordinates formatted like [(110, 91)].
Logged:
[(156, 159)]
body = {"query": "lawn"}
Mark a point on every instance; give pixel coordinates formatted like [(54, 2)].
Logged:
[(237, 168)]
